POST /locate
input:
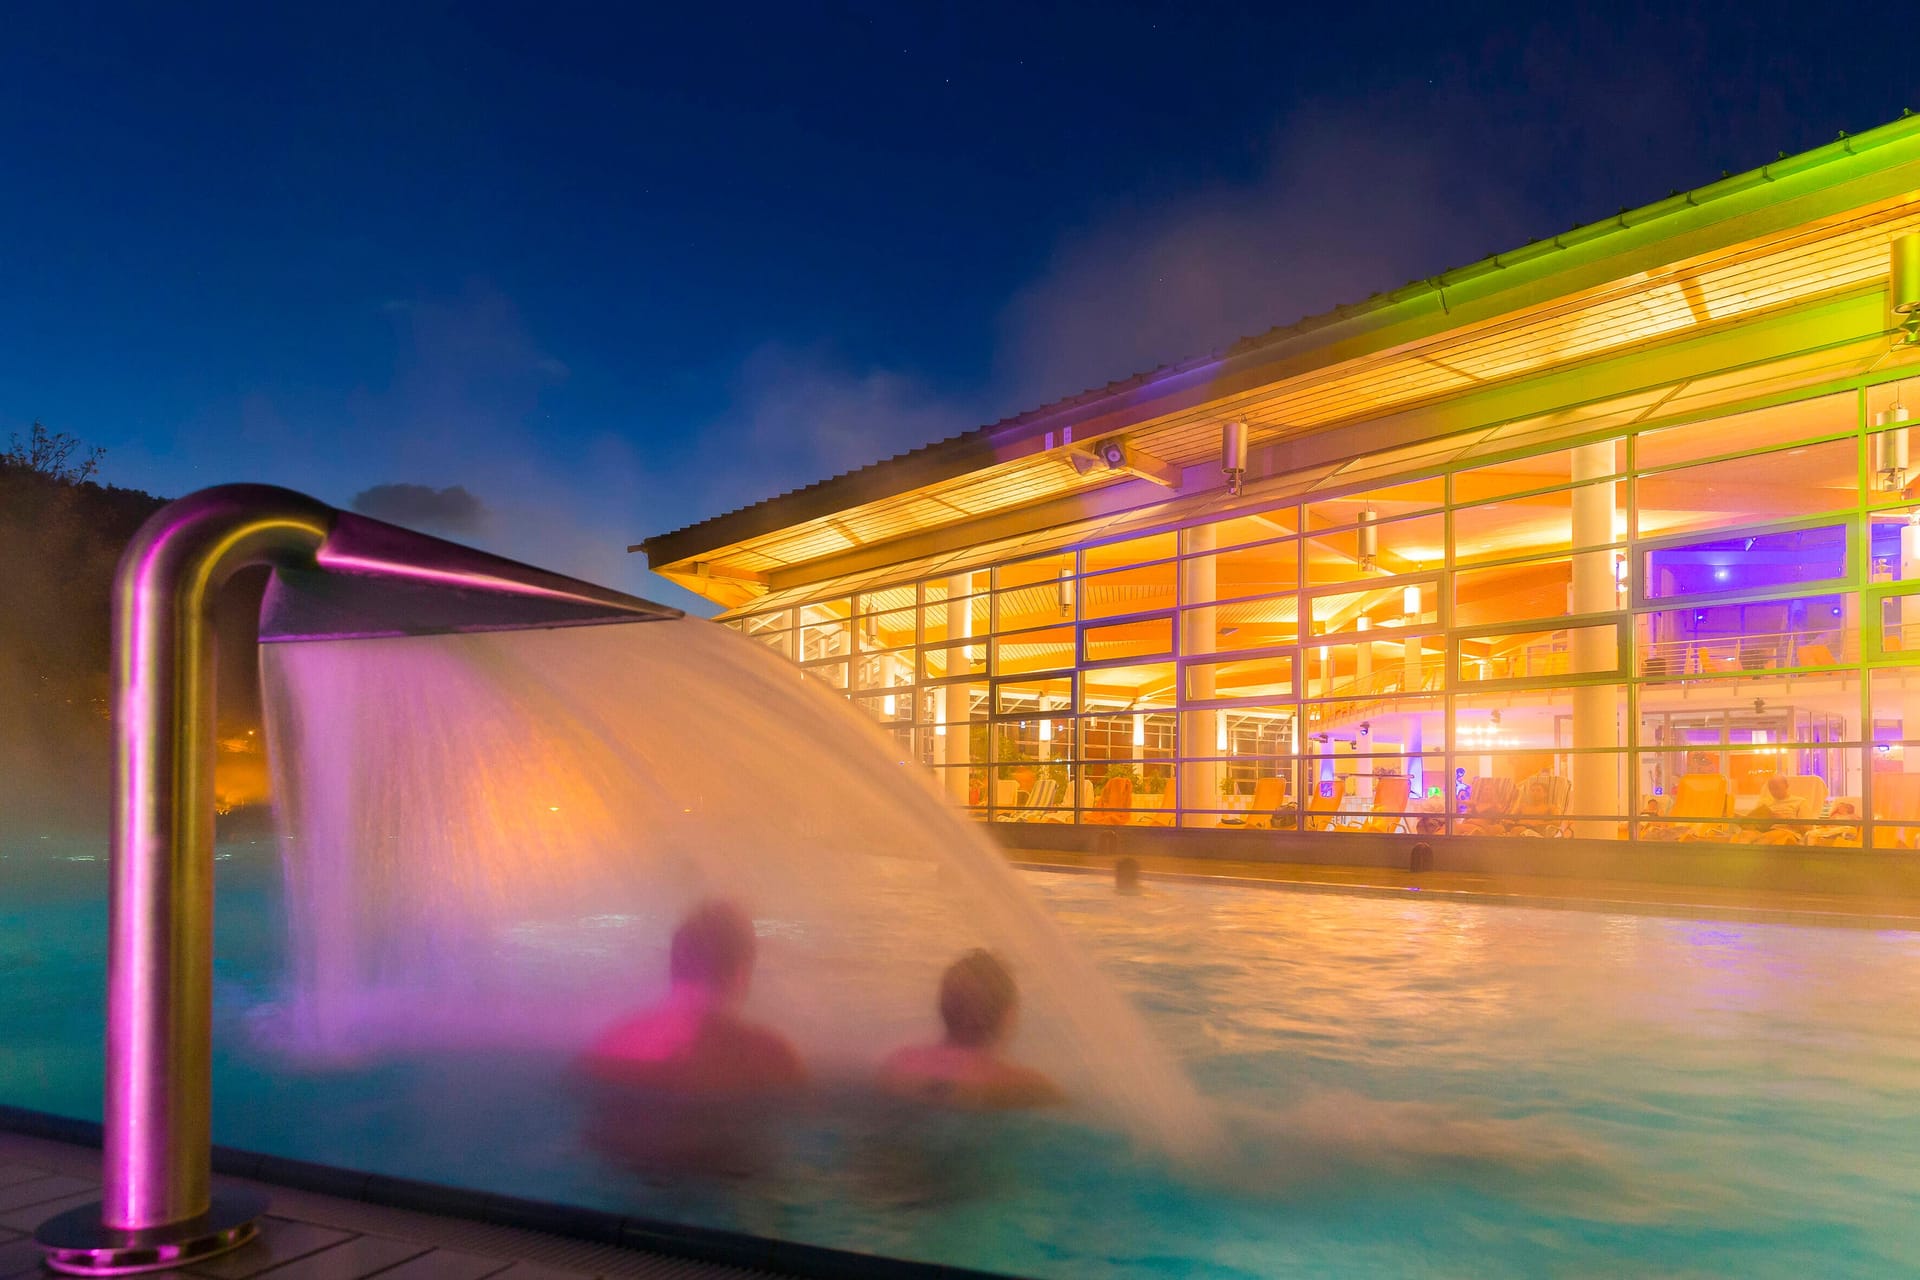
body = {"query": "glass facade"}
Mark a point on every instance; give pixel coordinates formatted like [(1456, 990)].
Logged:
[(1697, 631)]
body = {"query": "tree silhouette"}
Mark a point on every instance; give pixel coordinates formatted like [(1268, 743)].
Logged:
[(49, 453)]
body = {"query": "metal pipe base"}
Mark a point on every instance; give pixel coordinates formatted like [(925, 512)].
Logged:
[(76, 1243)]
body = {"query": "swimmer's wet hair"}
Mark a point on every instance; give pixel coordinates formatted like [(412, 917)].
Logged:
[(714, 944), (977, 996)]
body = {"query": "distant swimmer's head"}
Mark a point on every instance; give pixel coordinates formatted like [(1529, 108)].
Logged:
[(714, 948), (1126, 875), (978, 1000)]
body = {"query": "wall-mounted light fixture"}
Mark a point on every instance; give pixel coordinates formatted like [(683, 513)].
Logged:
[(1233, 454), (1369, 539), (1903, 281)]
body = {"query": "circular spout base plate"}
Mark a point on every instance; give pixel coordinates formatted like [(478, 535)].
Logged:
[(77, 1244)]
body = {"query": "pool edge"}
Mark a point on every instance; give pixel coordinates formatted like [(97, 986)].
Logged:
[(1677, 909), (759, 1254)]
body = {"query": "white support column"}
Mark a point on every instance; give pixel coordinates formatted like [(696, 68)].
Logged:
[(1199, 780), (953, 742), (1596, 708)]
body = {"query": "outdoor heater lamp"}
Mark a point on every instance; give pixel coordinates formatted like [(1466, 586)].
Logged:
[(335, 576)]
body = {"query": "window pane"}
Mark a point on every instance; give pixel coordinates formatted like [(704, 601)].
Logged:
[(1392, 604), (831, 674), (1246, 624), (890, 708), (1266, 677), (1103, 688), (1031, 697), (1390, 665), (1142, 638), (1377, 551), (1765, 487), (1533, 655), (1900, 624), (1046, 569), (1113, 555), (966, 659), (1541, 471), (1140, 590), (1747, 432), (761, 622), (1046, 602), (1716, 638), (1748, 562), (1047, 650), (885, 600), (1532, 526), (1893, 550), (1243, 529), (951, 585), (884, 670), (1252, 571), (892, 630), (955, 618), (1513, 593), (1396, 500), (953, 703)]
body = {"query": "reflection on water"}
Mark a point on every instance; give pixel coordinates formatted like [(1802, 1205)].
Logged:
[(1412, 1088)]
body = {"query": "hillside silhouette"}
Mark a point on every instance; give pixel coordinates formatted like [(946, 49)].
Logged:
[(60, 540)]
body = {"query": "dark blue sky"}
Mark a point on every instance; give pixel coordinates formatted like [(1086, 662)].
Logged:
[(613, 269)]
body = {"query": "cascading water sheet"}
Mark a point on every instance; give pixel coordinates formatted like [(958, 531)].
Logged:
[(489, 839)]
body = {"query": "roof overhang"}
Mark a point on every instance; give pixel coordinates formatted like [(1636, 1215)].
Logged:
[(1715, 275)]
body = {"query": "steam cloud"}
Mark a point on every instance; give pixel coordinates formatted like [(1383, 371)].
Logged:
[(449, 510)]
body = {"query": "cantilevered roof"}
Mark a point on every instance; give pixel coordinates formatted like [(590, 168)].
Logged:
[(1802, 229)]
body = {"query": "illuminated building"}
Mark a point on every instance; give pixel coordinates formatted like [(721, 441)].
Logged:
[(1629, 512)]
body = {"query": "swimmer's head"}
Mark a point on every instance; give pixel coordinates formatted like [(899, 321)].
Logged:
[(1126, 875), (977, 1000), (714, 948)]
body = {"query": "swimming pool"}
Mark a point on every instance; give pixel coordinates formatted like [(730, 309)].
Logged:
[(1412, 1087)]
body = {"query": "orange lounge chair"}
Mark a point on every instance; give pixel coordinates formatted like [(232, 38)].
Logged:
[(1700, 799), (1896, 798), (1269, 794), (1321, 810), (1114, 808), (1390, 797)]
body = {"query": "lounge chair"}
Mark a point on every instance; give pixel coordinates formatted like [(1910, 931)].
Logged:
[(1321, 810), (1699, 799), (1896, 798), (1269, 796), (1040, 801), (1390, 796), (1559, 796), (1114, 808)]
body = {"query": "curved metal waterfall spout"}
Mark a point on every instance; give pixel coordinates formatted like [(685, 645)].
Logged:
[(336, 575)]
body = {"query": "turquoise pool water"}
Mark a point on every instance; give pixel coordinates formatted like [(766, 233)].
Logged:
[(1411, 1088)]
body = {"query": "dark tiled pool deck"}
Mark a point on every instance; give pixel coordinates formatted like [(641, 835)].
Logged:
[(315, 1237), (1716, 901)]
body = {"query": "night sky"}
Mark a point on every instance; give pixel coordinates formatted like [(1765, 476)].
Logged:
[(613, 269)]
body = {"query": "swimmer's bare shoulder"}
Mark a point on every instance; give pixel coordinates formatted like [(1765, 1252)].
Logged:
[(934, 1074)]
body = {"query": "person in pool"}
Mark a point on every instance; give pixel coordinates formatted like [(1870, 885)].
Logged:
[(978, 1006), (695, 1041)]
